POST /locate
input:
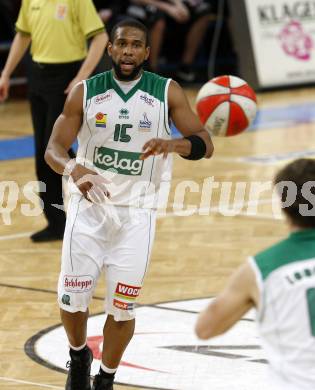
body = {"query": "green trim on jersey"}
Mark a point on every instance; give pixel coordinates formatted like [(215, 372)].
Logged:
[(298, 246), (150, 83), (98, 84)]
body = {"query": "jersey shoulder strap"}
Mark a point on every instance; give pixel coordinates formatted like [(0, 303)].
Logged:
[(297, 247), (98, 84), (154, 85), (150, 83)]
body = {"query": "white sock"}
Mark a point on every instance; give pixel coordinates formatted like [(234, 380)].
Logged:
[(108, 370), (78, 348)]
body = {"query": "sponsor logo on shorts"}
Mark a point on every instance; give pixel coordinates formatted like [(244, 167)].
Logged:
[(65, 299), (124, 163), (127, 292), (100, 119), (105, 97), (123, 305), (77, 284), (148, 100)]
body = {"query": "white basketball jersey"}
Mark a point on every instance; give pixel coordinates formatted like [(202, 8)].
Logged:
[(286, 316), (115, 127)]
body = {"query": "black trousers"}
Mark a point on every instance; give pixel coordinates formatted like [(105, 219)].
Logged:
[(47, 98)]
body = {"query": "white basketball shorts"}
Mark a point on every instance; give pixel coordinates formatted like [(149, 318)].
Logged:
[(97, 237)]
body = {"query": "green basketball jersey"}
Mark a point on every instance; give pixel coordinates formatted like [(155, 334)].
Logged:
[(285, 275), (115, 127)]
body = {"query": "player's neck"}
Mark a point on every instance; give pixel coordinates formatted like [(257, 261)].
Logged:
[(135, 79), (127, 85)]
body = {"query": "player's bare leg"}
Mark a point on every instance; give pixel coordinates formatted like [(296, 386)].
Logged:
[(75, 325), (156, 39), (192, 44), (117, 335), (194, 38)]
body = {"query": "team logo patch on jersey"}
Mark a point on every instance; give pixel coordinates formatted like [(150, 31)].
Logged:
[(101, 119), (123, 113), (127, 292), (124, 163), (61, 11), (123, 305), (77, 284), (145, 124), (105, 97)]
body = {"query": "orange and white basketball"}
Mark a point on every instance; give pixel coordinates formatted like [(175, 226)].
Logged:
[(226, 105)]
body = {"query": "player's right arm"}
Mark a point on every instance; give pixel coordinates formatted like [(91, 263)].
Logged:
[(240, 294), (18, 48), (64, 133)]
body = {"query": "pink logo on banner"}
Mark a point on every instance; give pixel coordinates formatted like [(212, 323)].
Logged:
[(296, 42)]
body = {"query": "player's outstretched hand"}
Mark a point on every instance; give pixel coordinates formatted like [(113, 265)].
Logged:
[(91, 184), (156, 146)]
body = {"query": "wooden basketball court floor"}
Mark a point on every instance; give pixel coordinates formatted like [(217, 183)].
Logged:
[(192, 256)]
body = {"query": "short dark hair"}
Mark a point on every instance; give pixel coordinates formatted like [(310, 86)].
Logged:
[(129, 22), (300, 173)]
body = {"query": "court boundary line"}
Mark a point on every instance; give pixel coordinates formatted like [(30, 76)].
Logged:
[(210, 210), (7, 379), (38, 290), (158, 306), (14, 236)]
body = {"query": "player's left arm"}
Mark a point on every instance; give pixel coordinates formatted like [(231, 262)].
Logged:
[(188, 124), (240, 295)]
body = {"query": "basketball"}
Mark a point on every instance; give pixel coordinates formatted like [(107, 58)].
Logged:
[(226, 106)]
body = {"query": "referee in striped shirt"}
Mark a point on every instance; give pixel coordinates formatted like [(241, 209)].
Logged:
[(58, 31)]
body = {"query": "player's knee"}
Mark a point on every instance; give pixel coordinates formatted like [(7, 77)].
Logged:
[(125, 328)]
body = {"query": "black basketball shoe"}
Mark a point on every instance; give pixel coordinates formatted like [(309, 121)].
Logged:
[(79, 370), (101, 383)]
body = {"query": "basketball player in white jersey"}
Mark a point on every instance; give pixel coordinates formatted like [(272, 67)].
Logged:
[(121, 119), (280, 283)]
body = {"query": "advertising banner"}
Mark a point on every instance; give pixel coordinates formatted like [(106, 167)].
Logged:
[(282, 34)]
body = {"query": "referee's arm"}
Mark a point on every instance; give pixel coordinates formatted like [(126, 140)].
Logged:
[(95, 52), (18, 48)]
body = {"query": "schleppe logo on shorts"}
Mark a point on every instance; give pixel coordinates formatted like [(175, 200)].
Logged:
[(77, 284), (127, 292), (124, 163)]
